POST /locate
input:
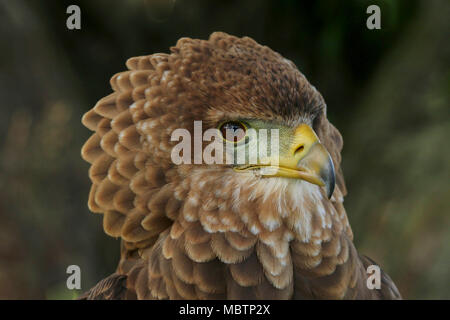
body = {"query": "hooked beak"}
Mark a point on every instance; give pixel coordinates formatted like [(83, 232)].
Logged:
[(305, 158)]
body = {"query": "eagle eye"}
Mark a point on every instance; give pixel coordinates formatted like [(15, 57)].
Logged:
[(233, 131)]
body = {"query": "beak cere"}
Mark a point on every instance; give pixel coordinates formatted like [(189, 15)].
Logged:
[(305, 158)]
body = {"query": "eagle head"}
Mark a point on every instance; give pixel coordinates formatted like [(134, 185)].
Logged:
[(217, 153)]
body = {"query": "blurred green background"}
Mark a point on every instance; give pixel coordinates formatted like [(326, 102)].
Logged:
[(387, 92)]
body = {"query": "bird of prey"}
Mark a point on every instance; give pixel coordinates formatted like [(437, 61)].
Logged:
[(222, 230)]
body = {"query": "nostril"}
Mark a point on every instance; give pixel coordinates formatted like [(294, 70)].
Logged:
[(299, 149)]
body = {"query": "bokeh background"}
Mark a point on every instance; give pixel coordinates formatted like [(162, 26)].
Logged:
[(387, 92)]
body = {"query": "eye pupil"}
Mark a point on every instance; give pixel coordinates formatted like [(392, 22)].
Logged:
[(233, 131)]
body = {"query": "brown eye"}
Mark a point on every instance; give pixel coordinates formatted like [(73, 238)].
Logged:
[(233, 131)]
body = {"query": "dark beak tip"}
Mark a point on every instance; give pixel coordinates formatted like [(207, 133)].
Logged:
[(330, 178), (330, 189)]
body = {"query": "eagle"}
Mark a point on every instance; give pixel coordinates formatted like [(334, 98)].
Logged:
[(271, 229)]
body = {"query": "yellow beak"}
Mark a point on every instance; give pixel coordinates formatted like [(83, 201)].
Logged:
[(305, 158)]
